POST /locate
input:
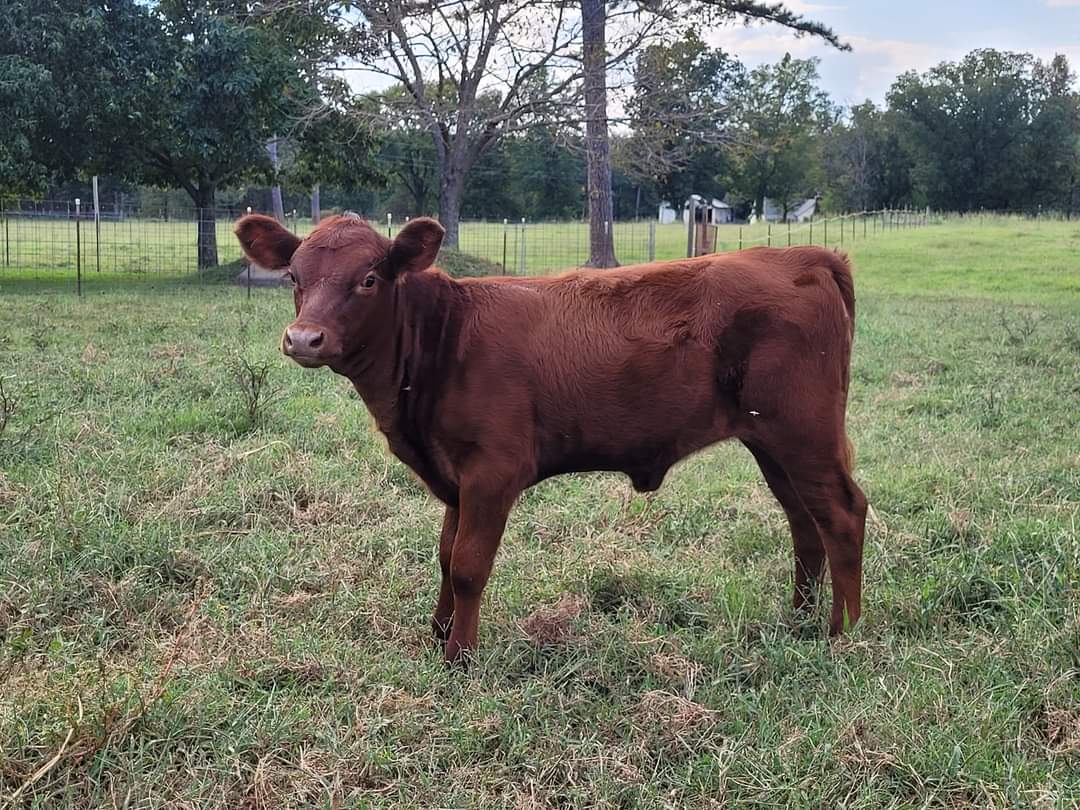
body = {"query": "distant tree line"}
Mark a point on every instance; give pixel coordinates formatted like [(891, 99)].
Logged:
[(212, 102)]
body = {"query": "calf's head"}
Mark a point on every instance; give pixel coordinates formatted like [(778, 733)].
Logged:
[(343, 277)]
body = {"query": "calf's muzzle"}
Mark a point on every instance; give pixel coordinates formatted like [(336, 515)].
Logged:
[(307, 344)]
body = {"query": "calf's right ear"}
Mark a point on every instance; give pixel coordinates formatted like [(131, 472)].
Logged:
[(265, 241)]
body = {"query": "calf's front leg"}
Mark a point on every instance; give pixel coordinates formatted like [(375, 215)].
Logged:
[(483, 510), (444, 610)]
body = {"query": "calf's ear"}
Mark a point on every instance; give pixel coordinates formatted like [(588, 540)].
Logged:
[(265, 241), (416, 246)]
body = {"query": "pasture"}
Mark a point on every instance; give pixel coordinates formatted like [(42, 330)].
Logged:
[(216, 584)]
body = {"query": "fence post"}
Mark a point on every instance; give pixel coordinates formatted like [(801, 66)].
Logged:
[(825, 239), (740, 237), (789, 233), (841, 231), (690, 227), (652, 241), (97, 226), (505, 228), (523, 246), (389, 223), (768, 234), (811, 229), (864, 225), (3, 213), (78, 251)]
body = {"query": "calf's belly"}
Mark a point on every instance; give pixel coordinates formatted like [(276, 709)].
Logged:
[(643, 449)]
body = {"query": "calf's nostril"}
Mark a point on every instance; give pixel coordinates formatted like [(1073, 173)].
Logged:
[(288, 340), (316, 340)]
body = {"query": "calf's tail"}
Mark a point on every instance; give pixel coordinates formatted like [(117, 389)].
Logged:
[(840, 266)]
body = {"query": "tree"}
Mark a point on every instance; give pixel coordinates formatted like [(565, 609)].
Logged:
[(1052, 159), (650, 14), (866, 164), (65, 114), (597, 142), (473, 71), (779, 115), (967, 125), (335, 148), (678, 116)]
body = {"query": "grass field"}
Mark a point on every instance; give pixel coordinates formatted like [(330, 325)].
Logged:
[(205, 603)]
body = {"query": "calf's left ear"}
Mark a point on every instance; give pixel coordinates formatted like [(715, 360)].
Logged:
[(416, 246), (265, 241)]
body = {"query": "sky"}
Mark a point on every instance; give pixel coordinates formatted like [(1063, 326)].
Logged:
[(891, 36), (887, 37)]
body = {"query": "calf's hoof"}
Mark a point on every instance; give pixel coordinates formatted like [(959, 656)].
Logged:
[(457, 655)]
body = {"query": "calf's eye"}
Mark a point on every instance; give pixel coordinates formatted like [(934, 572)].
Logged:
[(369, 281)]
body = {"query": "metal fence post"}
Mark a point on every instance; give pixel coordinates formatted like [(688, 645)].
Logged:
[(789, 233), (505, 229), (690, 227), (841, 231), (97, 226), (3, 213), (652, 241), (740, 237), (523, 246), (811, 229), (864, 225), (389, 223), (825, 240), (78, 251)]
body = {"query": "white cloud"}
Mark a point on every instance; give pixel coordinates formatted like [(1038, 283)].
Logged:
[(850, 77), (1063, 3)]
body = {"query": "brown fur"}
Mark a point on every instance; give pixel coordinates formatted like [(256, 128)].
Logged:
[(486, 386)]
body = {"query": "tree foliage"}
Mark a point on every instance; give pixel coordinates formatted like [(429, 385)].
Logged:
[(679, 115), (779, 116), (995, 130)]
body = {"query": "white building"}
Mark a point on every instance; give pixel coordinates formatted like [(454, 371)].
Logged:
[(798, 212), (717, 212)]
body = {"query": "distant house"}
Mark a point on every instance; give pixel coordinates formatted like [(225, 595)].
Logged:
[(798, 212), (717, 212)]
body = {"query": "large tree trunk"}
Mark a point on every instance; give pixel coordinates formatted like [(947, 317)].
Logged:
[(275, 192), (597, 145), (451, 190), (316, 205), (206, 213)]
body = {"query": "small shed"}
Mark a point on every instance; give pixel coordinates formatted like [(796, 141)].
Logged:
[(666, 214), (714, 212)]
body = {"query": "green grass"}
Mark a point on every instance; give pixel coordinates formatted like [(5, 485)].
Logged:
[(203, 609)]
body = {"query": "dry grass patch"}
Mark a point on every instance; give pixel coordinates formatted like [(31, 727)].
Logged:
[(553, 624)]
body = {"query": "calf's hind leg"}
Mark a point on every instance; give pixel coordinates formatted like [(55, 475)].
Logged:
[(809, 550), (838, 507)]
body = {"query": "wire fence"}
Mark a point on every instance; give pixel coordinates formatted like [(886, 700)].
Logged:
[(66, 242)]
